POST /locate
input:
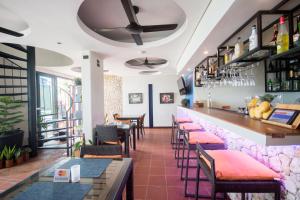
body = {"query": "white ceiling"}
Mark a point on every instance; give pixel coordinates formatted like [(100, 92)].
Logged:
[(57, 21), (97, 14), (207, 23)]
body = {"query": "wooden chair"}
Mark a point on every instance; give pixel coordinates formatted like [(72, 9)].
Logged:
[(106, 143), (231, 171), (116, 115), (141, 124)]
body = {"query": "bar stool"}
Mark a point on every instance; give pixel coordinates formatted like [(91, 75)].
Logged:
[(208, 141), (188, 127), (231, 171), (175, 124)]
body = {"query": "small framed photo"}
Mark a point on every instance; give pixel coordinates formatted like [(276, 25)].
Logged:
[(166, 98), (135, 98)]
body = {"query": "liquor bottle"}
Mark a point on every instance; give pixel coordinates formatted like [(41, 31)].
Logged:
[(253, 39), (296, 36), (273, 42), (238, 48), (282, 37), (226, 55)]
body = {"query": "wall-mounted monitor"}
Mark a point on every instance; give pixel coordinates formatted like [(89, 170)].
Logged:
[(181, 86)]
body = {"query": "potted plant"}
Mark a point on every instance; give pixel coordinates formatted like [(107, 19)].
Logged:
[(10, 116), (1, 160), (18, 157), (9, 153), (26, 152), (77, 147), (77, 81)]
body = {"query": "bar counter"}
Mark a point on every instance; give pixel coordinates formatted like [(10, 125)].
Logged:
[(255, 130)]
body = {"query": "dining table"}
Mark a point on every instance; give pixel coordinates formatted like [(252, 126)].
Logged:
[(132, 118), (116, 178)]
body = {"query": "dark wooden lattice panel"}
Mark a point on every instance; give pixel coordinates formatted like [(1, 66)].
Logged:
[(13, 72)]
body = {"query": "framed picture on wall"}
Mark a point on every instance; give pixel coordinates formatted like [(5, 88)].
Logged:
[(166, 98), (135, 98)]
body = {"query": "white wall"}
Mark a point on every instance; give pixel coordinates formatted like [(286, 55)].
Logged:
[(139, 84)]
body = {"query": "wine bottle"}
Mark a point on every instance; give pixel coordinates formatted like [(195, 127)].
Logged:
[(226, 55), (273, 42), (296, 36), (238, 48), (282, 37), (253, 39)]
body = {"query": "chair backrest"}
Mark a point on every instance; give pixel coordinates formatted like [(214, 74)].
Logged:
[(105, 133), (206, 162), (142, 118), (116, 115)]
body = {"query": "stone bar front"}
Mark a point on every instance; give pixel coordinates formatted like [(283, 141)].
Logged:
[(277, 148)]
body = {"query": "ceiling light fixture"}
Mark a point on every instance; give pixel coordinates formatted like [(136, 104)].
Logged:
[(205, 52), (59, 43)]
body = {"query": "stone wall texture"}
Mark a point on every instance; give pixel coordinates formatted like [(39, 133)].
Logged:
[(282, 159), (112, 96)]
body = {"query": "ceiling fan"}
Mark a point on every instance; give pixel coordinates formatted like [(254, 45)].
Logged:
[(10, 32), (134, 28), (151, 64)]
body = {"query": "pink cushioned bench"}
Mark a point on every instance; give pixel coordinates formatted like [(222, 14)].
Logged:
[(231, 171)]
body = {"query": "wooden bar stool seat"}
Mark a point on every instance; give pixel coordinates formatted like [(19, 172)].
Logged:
[(231, 171), (207, 141), (175, 124), (184, 127)]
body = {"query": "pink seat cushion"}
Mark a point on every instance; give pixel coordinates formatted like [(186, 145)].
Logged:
[(190, 127), (204, 138), (184, 120), (235, 165)]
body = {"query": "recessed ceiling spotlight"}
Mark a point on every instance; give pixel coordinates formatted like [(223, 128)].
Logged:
[(143, 52), (59, 43), (189, 69), (205, 52), (105, 70)]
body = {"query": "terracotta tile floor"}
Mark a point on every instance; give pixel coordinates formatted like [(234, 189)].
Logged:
[(155, 173)]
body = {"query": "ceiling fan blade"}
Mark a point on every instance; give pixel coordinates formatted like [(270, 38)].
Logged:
[(150, 66), (137, 38), (155, 28), (158, 62), (10, 32), (110, 29), (127, 5), (135, 62)]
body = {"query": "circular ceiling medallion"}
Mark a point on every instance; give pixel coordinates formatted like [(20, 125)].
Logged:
[(149, 72), (132, 21), (146, 63)]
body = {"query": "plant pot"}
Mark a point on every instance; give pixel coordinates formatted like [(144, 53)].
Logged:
[(11, 138), (19, 160), (77, 153), (25, 156), (9, 163)]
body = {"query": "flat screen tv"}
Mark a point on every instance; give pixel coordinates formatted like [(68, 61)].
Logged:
[(181, 86)]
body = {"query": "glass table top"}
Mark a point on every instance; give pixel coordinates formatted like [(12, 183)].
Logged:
[(104, 187)]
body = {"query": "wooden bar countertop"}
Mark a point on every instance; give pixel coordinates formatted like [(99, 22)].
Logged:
[(266, 134)]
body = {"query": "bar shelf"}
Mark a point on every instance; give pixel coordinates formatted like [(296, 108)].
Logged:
[(290, 54)]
